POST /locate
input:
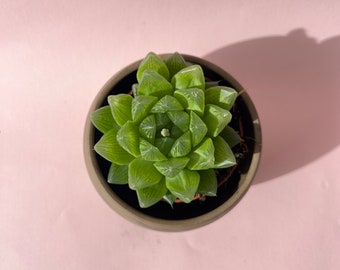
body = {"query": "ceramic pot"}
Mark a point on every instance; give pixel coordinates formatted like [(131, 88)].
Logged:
[(182, 216)]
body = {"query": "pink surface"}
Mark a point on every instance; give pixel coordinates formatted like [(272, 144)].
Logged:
[(56, 55)]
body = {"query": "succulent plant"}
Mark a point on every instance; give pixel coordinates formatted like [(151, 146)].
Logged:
[(168, 136)]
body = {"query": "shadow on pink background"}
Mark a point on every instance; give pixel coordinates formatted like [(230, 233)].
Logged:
[(294, 81)]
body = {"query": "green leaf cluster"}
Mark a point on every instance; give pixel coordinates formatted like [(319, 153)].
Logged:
[(168, 138)]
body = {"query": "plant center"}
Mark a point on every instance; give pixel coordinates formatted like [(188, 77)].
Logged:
[(165, 132)]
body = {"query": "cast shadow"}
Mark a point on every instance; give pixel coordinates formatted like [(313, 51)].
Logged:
[(294, 81)]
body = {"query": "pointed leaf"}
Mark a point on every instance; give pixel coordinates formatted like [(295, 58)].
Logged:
[(140, 107), (216, 119), (208, 182), (150, 152), (211, 84), (164, 144), (191, 99), (182, 146), (189, 77), (154, 62), (128, 138), (202, 158), (170, 198), (166, 104), (153, 84), (230, 136), (120, 107), (197, 128), (102, 119), (118, 174), (151, 195), (110, 149), (221, 96), (171, 167), (147, 128), (175, 63), (224, 156), (180, 119), (184, 185), (135, 89), (143, 174)]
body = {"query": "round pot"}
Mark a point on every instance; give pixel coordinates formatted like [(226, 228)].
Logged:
[(182, 216)]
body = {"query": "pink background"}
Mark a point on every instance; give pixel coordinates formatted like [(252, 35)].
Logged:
[(56, 55)]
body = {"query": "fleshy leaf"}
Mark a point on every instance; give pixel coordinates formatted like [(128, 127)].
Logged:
[(147, 128), (180, 119), (175, 63), (202, 158), (102, 119), (118, 174), (140, 107), (166, 104), (189, 77), (150, 195), (143, 174), (110, 149), (221, 96), (164, 144), (128, 138), (230, 136), (191, 99), (176, 132), (171, 167), (216, 119), (182, 146), (197, 128), (184, 185), (154, 62), (153, 84), (150, 152), (224, 156), (208, 182), (162, 120), (120, 107)]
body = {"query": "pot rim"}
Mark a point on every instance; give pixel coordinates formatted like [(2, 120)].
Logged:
[(137, 217)]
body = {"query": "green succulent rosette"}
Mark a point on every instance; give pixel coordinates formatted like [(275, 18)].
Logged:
[(167, 139)]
